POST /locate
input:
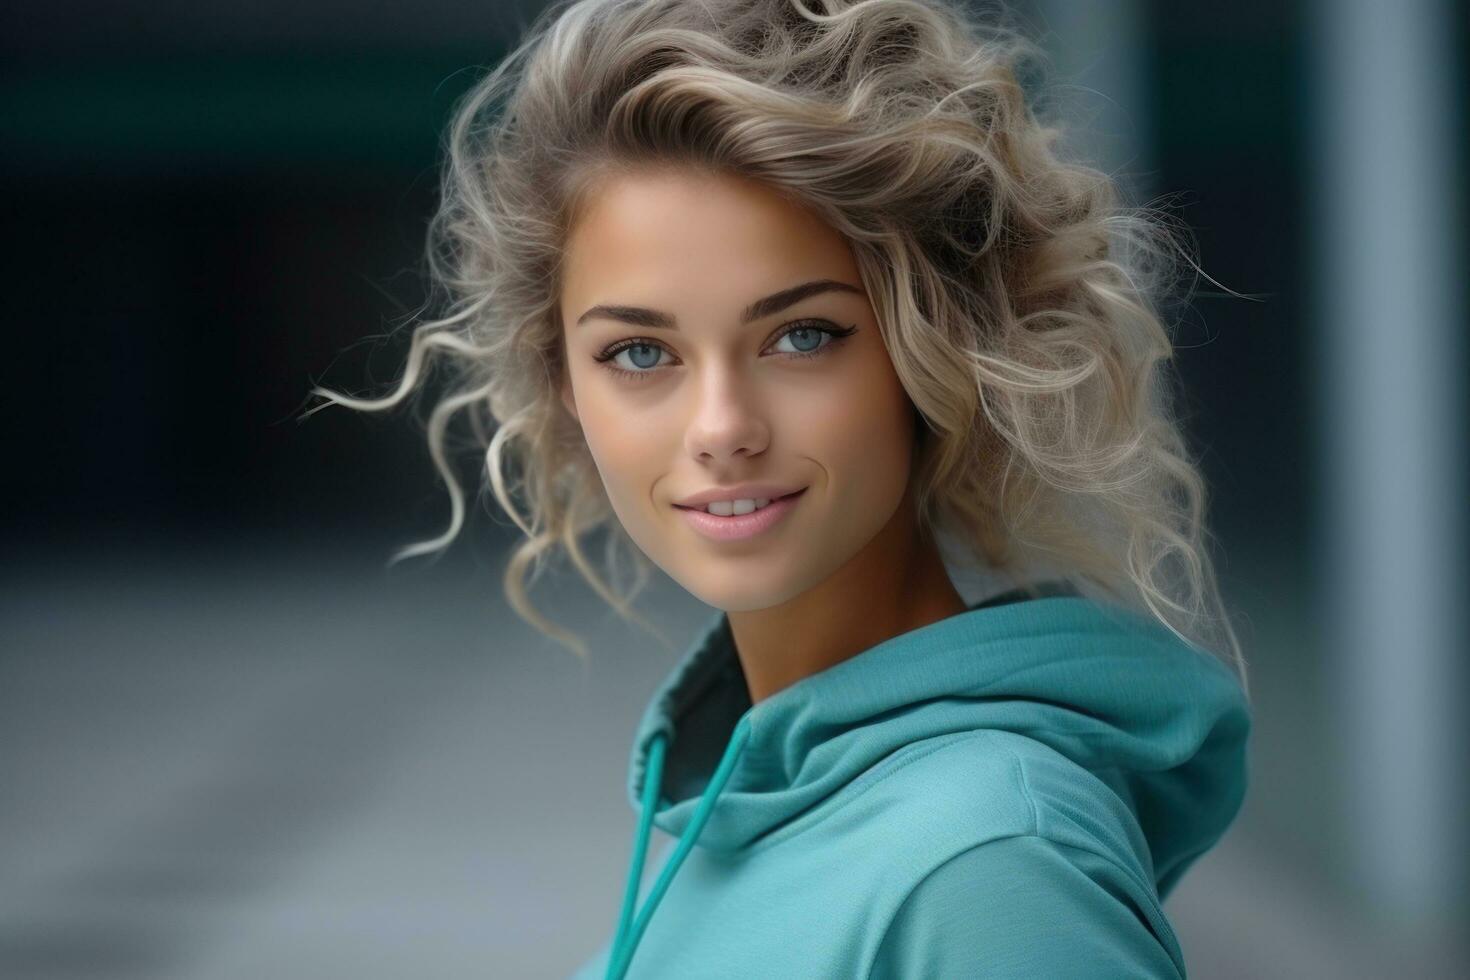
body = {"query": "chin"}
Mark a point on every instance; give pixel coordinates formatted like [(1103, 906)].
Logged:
[(740, 596), (738, 604), (733, 580)]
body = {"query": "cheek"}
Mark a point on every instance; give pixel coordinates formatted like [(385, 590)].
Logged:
[(862, 427), (629, 449), (618, 449)]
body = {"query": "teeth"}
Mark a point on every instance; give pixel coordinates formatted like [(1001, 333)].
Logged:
[(734, 508)]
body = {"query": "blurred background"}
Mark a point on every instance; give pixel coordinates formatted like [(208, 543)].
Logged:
[(234, 744)]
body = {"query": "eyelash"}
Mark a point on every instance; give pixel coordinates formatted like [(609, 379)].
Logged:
[(823, 326)]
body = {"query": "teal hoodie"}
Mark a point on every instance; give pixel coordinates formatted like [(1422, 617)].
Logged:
[(1008, 792)]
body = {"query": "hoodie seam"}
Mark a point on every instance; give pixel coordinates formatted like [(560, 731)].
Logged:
[(903, 904), (1026, 792), (1141, 881)]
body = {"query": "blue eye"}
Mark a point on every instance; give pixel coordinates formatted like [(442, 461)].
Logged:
[(641, 352), (812, 337), (807, 337)]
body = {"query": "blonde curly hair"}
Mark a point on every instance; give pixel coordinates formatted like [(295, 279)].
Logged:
[(1014, 290)]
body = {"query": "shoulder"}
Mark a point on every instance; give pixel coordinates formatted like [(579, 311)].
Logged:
[(1025, 864), (1026, 906), (966, 788)]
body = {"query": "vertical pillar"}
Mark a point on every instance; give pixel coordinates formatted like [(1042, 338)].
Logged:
[(1389, 338)]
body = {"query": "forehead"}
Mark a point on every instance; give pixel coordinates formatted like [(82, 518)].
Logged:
[(671, 233)]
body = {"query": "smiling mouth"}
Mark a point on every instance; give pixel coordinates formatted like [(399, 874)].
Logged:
[(734, 528), (786, 496)]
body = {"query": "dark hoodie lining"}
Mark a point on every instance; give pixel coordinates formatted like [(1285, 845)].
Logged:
[(1036, 590), (700, 736)]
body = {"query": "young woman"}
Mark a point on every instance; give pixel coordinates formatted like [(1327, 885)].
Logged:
[(785, 294)]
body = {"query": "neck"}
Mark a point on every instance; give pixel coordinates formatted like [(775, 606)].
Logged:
[(899, 583)]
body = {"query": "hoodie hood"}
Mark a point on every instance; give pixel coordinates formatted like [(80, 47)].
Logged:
[(1162, 723)]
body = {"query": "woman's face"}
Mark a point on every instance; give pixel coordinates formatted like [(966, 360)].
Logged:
[(677, 392)]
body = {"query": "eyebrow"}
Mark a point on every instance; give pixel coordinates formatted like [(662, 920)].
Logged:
[(776, 302)]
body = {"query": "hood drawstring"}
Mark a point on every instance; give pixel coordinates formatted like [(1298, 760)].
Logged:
[(625, 942)]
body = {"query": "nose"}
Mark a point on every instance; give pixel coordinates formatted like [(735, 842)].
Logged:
[(727, 418)]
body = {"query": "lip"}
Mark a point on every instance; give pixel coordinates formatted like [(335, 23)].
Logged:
[(740, 491), (742, 526)]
